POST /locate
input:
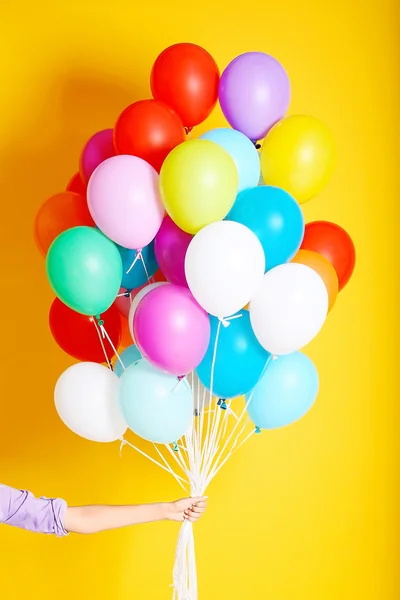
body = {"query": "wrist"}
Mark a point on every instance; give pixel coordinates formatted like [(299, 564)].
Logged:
[(166, 509)]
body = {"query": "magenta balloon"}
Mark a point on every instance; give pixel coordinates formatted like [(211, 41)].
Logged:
[(171, 330), (170, 247), (254, 93), (99, 147), (124, 201)]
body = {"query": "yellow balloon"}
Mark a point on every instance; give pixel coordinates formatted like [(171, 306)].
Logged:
[(199, 184), (298, 155)]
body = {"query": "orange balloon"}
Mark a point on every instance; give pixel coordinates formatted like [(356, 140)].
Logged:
[(60, 212), (324, 269), (126, 338)]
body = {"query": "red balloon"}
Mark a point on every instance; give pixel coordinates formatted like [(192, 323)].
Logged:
[(75, 184), (77, 334), (335, 244), (186, 77), (150, 130)]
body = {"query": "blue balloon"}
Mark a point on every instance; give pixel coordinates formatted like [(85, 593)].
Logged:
[(240, 359), (137, 275), (243, 152), (129, 356), (276, 219), (285, 393), (155, 405)]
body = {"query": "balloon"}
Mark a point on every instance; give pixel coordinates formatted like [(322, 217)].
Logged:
[(335, 244), (239, 359), (198, 183), (150, 130), (78, 335), (97, 149), (124, 201), (129, 356), (138, 297), (224, 266), (285, 393), (85, 270), (126, 338), (276, 219), (170, 246), (298, 155), (125, 296), (324, 269), (171, 330), (86, 399), (241, 150), (289, 308), (75, 184), (137, 275), (254, 93), (155, 406), (58, 213), (186, 77)]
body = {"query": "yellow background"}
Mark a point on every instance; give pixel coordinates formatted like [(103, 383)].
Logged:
[(305, 513)]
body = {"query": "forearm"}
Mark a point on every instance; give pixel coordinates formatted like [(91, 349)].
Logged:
[(93, 519)]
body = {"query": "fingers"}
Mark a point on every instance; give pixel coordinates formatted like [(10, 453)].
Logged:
[(193, 513)]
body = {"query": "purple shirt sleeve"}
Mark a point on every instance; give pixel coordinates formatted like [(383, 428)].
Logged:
[(41, 515)]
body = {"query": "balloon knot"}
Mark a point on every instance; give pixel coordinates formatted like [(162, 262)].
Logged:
[(128, 293), (258, 430), (188, 130), (224, 322), (258, 146), (180, 377), (175, 447)]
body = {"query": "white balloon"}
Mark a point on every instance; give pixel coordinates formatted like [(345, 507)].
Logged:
[(224, 267), (289, 308), (139, 296), (86, 399)]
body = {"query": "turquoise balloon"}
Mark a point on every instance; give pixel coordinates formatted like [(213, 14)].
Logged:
[(242, 151), (275, 218), (239, 360), (155, 405), (129, 356), (285, 393), (84, 268)]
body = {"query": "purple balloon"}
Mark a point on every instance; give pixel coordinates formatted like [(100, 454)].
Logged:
[(254, 93), (171, 330), (97, 149), (170, 247)]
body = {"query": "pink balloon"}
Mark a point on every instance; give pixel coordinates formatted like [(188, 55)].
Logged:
[(98, 148), (170, 247), (171, 330), (124, 201)]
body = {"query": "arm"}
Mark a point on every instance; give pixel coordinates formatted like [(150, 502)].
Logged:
[(92, 519)]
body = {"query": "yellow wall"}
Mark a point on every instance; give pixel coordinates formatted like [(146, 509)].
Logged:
[(306, 513)]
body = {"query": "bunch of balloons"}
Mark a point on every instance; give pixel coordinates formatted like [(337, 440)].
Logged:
[(161, 240)]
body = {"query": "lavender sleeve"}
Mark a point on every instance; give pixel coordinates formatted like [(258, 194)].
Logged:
[(41, 515)]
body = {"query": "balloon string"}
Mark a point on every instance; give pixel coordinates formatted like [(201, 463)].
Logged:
[(102, 344), (107, 337), (138, 256), (144, 267), (125, 442), (226, 321)]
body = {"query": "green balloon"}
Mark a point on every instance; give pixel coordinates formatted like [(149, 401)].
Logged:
[(85, 270)]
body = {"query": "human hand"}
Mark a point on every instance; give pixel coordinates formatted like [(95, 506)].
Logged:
[(187, 509)]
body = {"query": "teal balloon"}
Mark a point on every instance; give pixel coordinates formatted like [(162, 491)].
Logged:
[(84, 268), (276, 219), (285, 392), (155, 405), (129, 356), (241, 150), (239, 359)]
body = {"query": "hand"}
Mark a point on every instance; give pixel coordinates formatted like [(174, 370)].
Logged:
[(187, 509)]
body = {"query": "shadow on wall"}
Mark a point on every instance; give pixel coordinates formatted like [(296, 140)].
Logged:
[(35, 163)]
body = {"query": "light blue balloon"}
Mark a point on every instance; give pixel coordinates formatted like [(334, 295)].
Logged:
[(243, 152), (285, 393), (155, 405), (239, 360), (276, 219), (128, 357)]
